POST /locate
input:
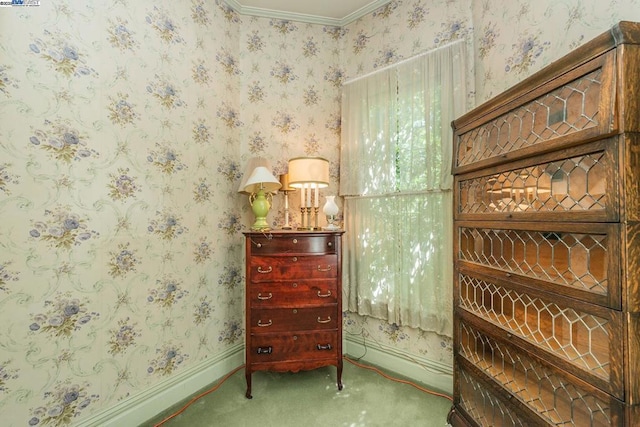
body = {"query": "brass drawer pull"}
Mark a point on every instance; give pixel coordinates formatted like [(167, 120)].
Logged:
[(324, 269), (264, 325), (330, 244), (324, 321), (260, 297), (324, 347), (295, 240), (327, 295), (260, 270), (294, 259), (264, 350)]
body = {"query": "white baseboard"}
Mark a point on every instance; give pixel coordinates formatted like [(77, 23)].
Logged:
[(151, 402), (143, 406), (433, 375)]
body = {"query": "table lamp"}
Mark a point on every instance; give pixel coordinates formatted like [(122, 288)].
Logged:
[(286, 189), (260, 186), (309, 173)]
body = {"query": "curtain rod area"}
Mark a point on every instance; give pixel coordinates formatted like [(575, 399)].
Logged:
[(387, 67)]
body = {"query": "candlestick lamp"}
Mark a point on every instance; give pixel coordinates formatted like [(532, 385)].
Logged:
[(309, 174)]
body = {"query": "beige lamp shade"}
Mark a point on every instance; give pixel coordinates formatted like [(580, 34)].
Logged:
[(284, 180), (308, 170), (251, 165), (261, 179)]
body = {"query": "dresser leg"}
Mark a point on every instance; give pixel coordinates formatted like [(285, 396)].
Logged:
[(247, 375), (340, 375)]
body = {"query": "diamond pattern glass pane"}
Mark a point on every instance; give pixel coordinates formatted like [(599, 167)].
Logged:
[(483, 406), (580, 338), (553, 397), (577, 184), (566, 110), (569, 259)]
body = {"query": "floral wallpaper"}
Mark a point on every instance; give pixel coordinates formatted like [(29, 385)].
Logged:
[(517, 38), (291, 79), (120, 257), (124, 131)]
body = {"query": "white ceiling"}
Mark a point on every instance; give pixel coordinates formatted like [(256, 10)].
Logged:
[(327, 12)]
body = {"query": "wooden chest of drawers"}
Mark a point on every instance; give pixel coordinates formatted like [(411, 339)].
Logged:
[(293, 302), (547, 245)]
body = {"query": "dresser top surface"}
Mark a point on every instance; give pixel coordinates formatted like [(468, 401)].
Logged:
[(291, 232)]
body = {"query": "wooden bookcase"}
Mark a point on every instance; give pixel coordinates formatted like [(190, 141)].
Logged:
[(547, 245)]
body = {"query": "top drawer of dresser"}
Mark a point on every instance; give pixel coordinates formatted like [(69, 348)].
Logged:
[(564, 111), (292, 244)]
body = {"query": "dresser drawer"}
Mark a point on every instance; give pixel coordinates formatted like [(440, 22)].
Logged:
[(562, 112), (584, 338), (288, 244), (293, 346), (272, 268), (293, 293), (268, 320), (536, 384)]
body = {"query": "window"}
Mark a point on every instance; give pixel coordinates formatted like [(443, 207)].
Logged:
[(396, 181)]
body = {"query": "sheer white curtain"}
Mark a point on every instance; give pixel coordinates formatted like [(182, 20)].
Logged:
[(395, 176)]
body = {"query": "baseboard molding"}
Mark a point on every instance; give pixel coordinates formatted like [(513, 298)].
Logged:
[(149, 403), (434, 375)]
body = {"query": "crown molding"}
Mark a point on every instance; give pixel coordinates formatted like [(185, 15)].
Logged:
[(301, 17)]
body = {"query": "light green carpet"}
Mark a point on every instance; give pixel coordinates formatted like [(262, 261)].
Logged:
[(310, 399)]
